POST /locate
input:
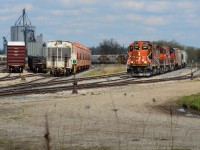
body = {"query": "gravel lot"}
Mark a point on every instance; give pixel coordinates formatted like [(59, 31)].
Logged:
[(122, 118)]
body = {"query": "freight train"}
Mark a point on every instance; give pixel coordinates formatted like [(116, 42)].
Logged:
[(147, 58), (109, 59)]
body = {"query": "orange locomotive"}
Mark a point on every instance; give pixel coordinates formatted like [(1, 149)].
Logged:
[(148, 58)]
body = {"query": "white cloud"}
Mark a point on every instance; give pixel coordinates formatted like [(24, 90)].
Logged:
[(148, 20), (65, 12), (156, 20), (185, 5), (15, 9), (133, 17), (130, 4), (77, 2), (159, 6), (4, 18)]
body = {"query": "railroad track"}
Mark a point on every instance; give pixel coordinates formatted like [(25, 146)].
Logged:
[(9, 77), (41, 88)]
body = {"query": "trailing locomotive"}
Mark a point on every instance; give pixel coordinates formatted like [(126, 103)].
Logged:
[(64, 57), (146, 58)]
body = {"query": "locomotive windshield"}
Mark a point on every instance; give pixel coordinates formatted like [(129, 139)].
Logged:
[(136, 47), (145, 46)]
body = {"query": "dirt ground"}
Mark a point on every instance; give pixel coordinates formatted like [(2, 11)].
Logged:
[(120, 118)]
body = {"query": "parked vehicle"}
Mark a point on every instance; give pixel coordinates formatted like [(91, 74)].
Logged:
[(109, 59), (65, 57), (16, 54), (37, 64)]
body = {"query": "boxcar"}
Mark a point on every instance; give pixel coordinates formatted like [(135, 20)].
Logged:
[(16, 53)]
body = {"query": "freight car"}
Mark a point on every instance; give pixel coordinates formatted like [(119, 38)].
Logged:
[(148, 58), (65, 57), (3, 59), (109, 59), (16, 53), (37, 64)]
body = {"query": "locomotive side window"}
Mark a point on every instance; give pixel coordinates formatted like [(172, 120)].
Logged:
[(161, 51), (131, 48), (171, 51)]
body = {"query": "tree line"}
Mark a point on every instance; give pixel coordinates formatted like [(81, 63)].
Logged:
[(110, 46)]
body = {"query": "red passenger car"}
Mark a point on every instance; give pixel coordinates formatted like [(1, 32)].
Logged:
[(16, 54), (83, 56)]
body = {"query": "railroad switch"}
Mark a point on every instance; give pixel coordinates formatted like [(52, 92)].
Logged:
[(22, 76), (192, 76), (75, 90)]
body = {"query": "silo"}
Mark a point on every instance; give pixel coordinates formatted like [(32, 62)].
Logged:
[(17, 33), (23, 30)]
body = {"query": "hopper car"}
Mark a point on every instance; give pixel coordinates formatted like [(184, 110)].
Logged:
[(37, 64), (16, 54), (146, 58)]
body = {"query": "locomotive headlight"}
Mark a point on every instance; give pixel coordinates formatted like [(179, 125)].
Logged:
[(145, 62)]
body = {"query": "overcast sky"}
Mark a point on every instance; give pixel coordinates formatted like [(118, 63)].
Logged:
[(91, 21)]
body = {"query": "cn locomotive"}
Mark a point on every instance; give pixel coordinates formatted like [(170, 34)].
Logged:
[(146, 58)]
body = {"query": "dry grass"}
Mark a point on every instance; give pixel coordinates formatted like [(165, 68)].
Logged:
[(107, 69)]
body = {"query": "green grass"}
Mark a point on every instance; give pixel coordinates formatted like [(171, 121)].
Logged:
[(107, 69), (190, 102)]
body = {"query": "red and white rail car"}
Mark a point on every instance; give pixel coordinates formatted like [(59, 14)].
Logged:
[(65, 57)]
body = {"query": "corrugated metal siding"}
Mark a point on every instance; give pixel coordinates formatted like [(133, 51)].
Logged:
[(17, 32), (36, 48)]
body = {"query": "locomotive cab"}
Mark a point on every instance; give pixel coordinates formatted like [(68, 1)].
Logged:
[(140, 55)]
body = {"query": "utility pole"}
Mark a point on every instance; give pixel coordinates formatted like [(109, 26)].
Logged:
[(191, 71)]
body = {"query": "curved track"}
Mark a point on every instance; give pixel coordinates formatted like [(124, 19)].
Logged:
[(57, 85)]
